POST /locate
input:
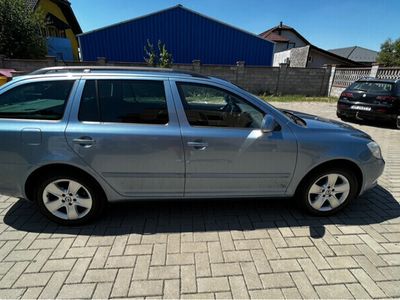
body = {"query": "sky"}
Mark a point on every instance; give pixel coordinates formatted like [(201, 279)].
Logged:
[(327, 24)]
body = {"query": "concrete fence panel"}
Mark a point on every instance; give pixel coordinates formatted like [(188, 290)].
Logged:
[(341, 78), (282, 80)]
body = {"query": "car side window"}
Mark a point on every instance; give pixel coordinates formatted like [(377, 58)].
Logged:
[(89, 108), (44, 100), (124, 101), (211, 106)]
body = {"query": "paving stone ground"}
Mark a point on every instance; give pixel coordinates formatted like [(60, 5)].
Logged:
[(212, 249)]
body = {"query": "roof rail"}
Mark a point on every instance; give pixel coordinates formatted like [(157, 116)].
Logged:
[(91, 69)]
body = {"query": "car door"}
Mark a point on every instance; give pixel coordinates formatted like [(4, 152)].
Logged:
[(225, 150), (127, 131)]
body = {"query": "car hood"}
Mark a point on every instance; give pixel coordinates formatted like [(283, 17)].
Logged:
[(316, 122)]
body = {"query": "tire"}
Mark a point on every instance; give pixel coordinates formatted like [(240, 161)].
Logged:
[(330, 189), (397, 122), (69, 199)]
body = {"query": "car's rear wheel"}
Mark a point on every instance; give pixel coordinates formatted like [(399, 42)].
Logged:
[(69, 199), (326, 192), (397, 123)]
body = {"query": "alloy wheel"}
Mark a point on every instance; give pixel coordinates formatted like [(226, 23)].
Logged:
[(328, 192), (67, 199)]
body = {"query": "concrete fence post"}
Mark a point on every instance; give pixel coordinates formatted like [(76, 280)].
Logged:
[(51, 61), (281, 78), (325, 80), (101, 61), (196, 64), (374, 70), (239, 72), (331, 79), (2, 57)]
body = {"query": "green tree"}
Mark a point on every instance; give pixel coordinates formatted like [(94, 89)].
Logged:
[(160, 58), (20, 30), (389, 55)]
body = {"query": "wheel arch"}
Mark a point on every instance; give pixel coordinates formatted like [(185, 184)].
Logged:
[(33, 178), (344, 163)]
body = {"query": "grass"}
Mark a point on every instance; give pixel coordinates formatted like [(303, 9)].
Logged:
[(298, 98)]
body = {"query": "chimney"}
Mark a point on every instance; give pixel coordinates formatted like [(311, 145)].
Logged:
[(280, 28)]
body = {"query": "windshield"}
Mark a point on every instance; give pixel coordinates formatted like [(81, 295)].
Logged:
[(287, 114), (373, 87)]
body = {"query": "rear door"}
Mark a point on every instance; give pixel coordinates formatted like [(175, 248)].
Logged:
[(126, 129)]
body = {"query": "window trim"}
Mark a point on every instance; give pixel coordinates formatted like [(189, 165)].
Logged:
[(183, 101), (101, 121)]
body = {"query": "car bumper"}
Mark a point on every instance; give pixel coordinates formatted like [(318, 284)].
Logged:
[(371, 172), (363, 115), (386, 114)]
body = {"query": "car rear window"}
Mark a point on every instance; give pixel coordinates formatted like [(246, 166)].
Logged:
[(44, 100), (373, 87)]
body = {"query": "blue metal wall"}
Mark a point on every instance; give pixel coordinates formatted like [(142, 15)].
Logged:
[(60, 48), (187, 36)]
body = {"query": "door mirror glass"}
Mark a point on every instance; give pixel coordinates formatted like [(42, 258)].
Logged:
[(268, 124)]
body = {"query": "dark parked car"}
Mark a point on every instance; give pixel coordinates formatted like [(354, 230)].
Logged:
[(371, 99)]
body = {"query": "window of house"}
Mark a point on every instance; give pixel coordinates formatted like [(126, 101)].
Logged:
[(62, 34), (43, 100), (124, 101), (51, 31), (211, 106)]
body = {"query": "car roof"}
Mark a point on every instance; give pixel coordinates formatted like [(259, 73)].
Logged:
[(114, 70)]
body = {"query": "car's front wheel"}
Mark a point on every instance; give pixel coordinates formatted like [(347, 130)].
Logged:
[(397, 123), (325, 192), (69, 199)]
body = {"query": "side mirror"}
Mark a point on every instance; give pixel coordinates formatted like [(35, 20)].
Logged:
[(268, 124)]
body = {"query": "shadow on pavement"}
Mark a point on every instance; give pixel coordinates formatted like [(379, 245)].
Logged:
[(152, 217)]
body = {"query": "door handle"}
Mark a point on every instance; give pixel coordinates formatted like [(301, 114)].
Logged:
[(84, 141), (198, 145)]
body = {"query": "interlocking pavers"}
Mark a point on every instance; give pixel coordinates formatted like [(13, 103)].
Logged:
[(105, 275), (75, 291), (212, 249), (122, 283), (213, 284)]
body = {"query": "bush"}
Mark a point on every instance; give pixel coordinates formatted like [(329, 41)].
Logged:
[(162, 58)]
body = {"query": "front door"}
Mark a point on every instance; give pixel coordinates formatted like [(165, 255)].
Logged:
[(127, 131), (226, 152)]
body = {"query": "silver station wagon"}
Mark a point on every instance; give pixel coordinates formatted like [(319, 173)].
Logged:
[(74, 139)]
